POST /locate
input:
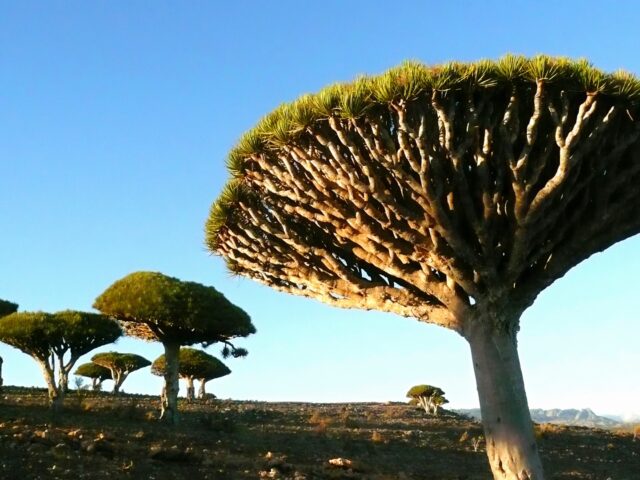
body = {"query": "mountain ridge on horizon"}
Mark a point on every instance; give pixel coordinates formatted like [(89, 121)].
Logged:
[(584, 417)]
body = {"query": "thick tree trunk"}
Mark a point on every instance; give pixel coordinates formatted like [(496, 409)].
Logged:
[(191, 391), (56, 395), (119, 379), (508, 429), (115, 376), (169, 411), (0, 373), (63, 381), (96, 385), (202, 391)]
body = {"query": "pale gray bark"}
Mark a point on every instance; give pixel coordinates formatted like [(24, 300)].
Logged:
[(118, 379), (202, 390), (169, 411), (56, 395), (191, 391), (508, 429)]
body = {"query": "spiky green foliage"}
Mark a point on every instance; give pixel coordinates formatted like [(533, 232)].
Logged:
[(7, 307), (85, 331), (412, 80), (41, 334), (34, 333), (153, 306), (195, 364)]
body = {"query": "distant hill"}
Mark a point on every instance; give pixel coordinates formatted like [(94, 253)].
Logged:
[(584, 417)]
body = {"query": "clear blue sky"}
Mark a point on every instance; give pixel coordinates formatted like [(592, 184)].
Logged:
[(115, 120)]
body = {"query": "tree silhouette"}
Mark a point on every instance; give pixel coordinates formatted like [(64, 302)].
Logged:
[(452, 194)]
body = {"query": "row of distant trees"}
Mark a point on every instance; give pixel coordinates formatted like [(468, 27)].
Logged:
[(145, 305), (193, 365)]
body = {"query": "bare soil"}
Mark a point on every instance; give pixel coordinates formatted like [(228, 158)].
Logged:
[(101, 436)]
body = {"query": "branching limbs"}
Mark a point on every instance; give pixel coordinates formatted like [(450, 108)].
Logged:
[(438, 205)]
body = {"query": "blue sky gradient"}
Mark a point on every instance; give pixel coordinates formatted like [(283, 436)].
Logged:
[(115, 120)]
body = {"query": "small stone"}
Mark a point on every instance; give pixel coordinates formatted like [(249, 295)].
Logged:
[(340, 462)]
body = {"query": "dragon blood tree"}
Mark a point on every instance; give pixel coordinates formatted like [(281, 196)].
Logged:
[(155, 307), (430, 398), (95, 372), (193, 365), (451, 194), (56, 341), (120, 365)]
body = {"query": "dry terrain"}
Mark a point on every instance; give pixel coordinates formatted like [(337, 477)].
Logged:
[(104, 437)]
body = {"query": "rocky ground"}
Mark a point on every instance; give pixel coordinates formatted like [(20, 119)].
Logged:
[(104, 437)]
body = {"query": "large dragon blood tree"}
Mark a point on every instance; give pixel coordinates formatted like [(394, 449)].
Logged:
[(452, 194)]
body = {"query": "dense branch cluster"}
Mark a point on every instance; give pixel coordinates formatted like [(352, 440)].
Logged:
[(436, 200)]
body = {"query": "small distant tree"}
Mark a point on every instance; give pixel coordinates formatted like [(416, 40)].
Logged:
[(95, 372), (428, 397), (120, 365), (56, 341), (193, 365), (6, 308), (155, 307)]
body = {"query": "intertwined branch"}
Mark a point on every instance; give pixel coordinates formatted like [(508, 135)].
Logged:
[(436, 193)]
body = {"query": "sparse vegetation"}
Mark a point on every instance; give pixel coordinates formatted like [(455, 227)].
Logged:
[(106, 437)]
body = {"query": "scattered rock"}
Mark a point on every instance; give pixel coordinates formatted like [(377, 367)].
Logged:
[(341, 462)]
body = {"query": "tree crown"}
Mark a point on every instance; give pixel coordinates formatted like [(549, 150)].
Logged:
[(193, 363), (39, 334), (93, 370), (408, 81), (153, 306), (424, 391), (125, 362), (450, 193)]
